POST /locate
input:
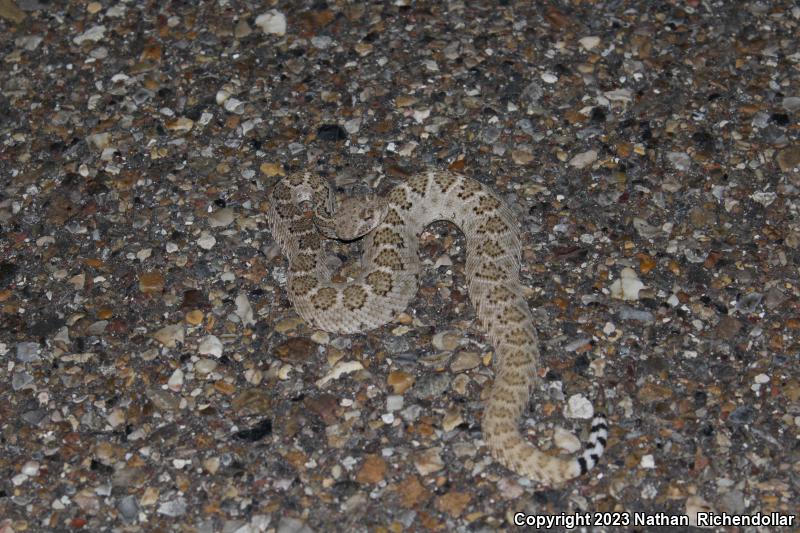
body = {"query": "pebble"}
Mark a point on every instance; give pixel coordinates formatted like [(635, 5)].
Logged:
[(173, 508), (20, 380), (431, 386), (352, 126), (116, 418), (452, 419), (175, 382), (170, 336), (205, 366), (206, 241), (321, 42), (742, 415), (647, 461), (93, 34), (638, 315), (233, 105), (210, 345), (522, 155), (578, 407), (583, 159), (28, 352), (151, 282), (727, 328), (679, 160), (791, 103), (373, 470), (128, 508), (296, 350), (428, 461), (221, 218), (789, 159), (394, 402), (97, 328), (242, 29), (627, 286), (30, 468), (446, 340), (272, 22), (244, 310), (589, 43), (465, 361), (549, 77), (194, 317), (400, 381), (341, 368)]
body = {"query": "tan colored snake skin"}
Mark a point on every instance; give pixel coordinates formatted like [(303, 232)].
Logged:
[(303, 210)]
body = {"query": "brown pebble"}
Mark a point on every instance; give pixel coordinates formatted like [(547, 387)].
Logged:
[(727, 328), (400, 381), (296, 350), (412, 492), (151, 282), (789, 158), (326, 406), (453, 503), (224, 387), (253, 401), (372, 470)]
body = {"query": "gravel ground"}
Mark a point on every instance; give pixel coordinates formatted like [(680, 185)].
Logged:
[(155, 377)]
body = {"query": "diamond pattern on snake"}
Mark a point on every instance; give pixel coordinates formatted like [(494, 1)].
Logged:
[(304, 209)]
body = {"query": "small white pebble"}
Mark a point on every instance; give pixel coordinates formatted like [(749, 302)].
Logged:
[(180, 463), (144, 253), (394, 402), (549, 77), (206, 241), (590, 42), (648, 461), (578, 407), (283, 373), (30, 468), (583, 159), (221, 96), (234, 105), (175, 382), (210, 345), (205, 366), (762, 378), (627, 286), (272, 21)]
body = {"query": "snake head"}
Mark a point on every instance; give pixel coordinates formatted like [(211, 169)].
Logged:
[(350, 218)]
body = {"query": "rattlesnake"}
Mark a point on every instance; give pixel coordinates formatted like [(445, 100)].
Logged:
[(303, 210)]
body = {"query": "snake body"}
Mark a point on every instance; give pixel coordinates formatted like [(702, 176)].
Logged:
[(388, 281)]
